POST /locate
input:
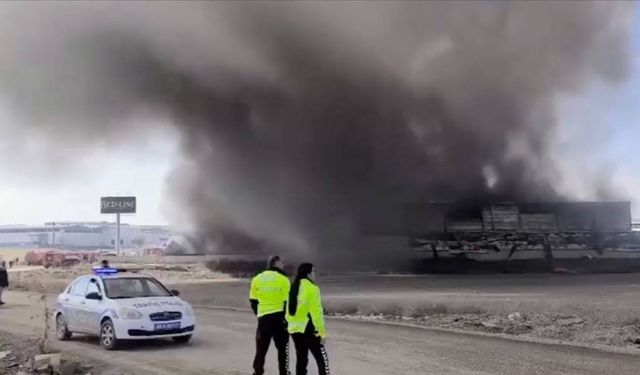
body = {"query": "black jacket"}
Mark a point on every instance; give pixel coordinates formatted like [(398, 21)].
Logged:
[(4, 279)]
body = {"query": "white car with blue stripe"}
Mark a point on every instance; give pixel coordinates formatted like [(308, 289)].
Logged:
[(118, 306)]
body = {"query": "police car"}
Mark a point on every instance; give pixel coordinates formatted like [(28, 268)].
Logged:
[(117, 305)]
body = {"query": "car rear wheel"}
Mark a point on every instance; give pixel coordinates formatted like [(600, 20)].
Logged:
[(182, 339), (108, 338), (62, 332)]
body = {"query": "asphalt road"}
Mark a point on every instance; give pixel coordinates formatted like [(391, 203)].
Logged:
[(224, 346)]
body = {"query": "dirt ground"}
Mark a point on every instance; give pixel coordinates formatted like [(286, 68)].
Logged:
[(602, 309), (54, 280), (9, 254), (17, 354)]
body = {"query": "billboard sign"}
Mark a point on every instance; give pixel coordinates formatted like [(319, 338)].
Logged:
[(118, 205)]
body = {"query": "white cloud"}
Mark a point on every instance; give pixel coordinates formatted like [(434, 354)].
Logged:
[(48, 182)]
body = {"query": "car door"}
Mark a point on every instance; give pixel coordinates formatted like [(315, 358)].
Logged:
[(64, 304), (75, 305), (93, 309)]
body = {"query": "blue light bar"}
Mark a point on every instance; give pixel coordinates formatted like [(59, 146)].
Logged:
[(100, 271)]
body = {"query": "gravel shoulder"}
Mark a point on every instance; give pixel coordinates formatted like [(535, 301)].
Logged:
[(595, 310), (18, 351)]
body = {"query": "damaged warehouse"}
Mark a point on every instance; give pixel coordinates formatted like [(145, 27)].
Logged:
[(288, 117), (512, 231)]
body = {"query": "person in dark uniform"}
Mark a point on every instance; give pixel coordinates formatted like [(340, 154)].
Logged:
[(268, 297), (4, 279)]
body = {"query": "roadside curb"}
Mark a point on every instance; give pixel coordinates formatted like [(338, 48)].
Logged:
[(227, 308), (522, 339)]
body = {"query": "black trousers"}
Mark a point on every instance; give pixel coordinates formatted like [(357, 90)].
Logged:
[(272, 326), (308, 342)]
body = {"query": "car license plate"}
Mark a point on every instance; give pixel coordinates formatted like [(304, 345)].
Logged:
[(167, 326)]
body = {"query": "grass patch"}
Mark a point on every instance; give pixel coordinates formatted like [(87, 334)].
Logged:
[(236, 268), (398, 310), (343, 309), (10, 254), (389, 310)]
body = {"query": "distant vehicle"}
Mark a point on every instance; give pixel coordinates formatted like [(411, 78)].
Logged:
[(68, 260), (116, 306), (58, 258), (107, 253), (35, 257), (61, 259), (154, 251)]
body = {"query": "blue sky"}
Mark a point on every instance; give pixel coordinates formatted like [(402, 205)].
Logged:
[(599, 131), (622, 107)]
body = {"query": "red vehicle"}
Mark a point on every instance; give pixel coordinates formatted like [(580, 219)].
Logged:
[(154, 251), (54, 258), (36, 257)]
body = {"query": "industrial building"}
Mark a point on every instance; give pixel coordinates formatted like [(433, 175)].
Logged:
[(84, 235), (606, 217), (504, 231), (501, 232)]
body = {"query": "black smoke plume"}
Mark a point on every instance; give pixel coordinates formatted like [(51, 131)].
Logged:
[(303, 123)]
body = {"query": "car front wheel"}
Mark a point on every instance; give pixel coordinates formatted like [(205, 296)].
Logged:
[(108, 338), (182, 339), (62, 332)]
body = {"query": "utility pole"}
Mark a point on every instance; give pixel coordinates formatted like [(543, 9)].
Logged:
[(53, 234)]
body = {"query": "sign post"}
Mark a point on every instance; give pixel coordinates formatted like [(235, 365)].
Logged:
[(118, 234), (118, 205)]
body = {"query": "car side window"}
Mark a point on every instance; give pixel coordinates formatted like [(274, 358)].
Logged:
[(93, 287), (71, 286), (79, 287)]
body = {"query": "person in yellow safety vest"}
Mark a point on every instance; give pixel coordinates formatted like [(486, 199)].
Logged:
[(305, 319), (268, 296)]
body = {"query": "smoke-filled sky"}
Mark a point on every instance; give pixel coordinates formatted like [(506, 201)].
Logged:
[(289, 121)]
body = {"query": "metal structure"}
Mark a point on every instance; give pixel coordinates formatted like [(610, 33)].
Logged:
[(519, 217), (459, 230)]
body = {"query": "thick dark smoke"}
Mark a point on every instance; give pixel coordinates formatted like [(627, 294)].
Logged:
[(301, 122)]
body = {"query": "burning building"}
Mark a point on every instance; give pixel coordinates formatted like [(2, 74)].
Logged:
[(506, 231), (295, 119)]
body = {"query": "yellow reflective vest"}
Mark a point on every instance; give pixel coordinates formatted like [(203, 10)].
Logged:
[(309, 306), (271, 290)]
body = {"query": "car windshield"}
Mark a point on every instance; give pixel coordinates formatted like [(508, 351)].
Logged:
[(135, 288)]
